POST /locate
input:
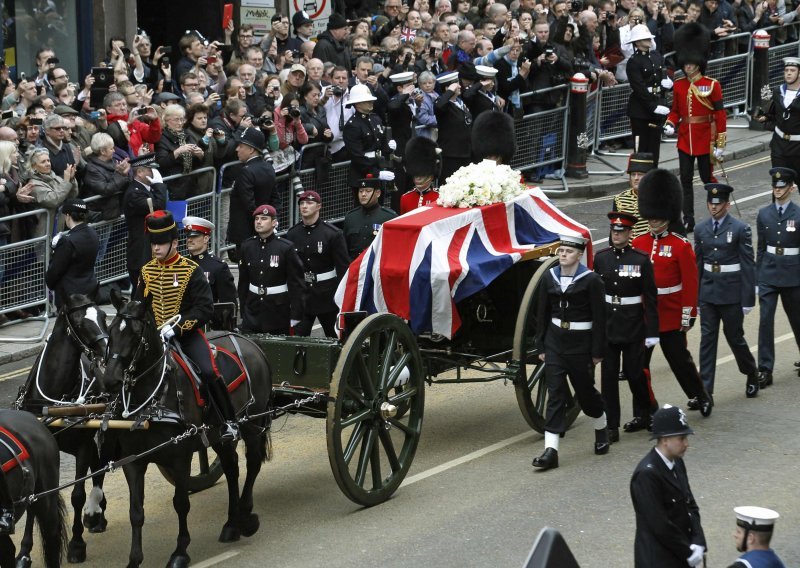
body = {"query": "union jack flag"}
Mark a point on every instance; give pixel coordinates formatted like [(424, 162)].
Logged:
[(407, 34), (422, 263)]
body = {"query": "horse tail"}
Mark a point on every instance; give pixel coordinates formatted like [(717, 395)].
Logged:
[(53, 529)]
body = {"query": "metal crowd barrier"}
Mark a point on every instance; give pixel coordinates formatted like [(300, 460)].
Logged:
[(23, 265), (612, 119), (337, 197), (541, 139)]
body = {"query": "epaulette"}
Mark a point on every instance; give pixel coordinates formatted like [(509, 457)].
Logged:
[(681, 237), (637, 251), (388, 210)]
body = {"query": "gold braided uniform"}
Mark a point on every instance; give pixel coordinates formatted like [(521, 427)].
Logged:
[(628, 202)]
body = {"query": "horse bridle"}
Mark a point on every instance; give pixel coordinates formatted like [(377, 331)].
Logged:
[(75, 336)]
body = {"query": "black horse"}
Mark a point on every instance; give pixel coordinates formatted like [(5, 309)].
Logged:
[(67, 372), (32, 474), (153, 386)]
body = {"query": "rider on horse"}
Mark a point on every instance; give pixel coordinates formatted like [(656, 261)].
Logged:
[(173, 284)]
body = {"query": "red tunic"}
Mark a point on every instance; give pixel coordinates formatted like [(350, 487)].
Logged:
[(698, 115), (675, 268), (410, 200)]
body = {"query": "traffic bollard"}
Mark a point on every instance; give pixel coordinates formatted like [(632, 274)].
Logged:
[(576, 132), (760, 92)]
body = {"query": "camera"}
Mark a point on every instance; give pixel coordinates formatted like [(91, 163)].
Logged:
[(165, 61), (679, 17), (218, 133), (166, 50), (337, 91), (611, 16), (294, 113), (416, 93), (549, 50), (265, 121), (53, 60), (576, 6)]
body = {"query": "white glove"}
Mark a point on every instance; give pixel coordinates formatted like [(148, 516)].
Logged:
[(719, 153), (747, 309), (697, 555), (166, 332), (666, 83), (293, 323), (156, 176), (669, 130), (662, 110), (651, 341), (386, 175), (392, 145), (56, 239)]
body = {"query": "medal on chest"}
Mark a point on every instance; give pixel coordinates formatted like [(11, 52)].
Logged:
[(274, 259), (375, 228), (729, 237), (175, 281), (622, 270), (665, 250), (208, 276), (319, 247), (790, 225)]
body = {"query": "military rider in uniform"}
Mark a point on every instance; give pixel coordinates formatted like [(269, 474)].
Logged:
[(631, 323), (777, 267), (173, 284), (270, 279), (223, 289), (323, 252), (723, 246)]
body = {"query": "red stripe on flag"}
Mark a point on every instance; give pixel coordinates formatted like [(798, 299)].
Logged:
[(351, 288), (567, 222), (453, 252), (495, 222)]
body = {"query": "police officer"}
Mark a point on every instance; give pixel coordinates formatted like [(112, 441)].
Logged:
[(754, 528), (323, 252), (71, 269), (422, 165), (362, 224), (639, 163), (631, 322), (675, 270), (271, 283), (365, 139), (777, 267), (647, 103), (454, 122), (571, 339), (145, 194), (198, 235), (171, 285), (254, 186), (783, 115), (723, 246), (668, 529)]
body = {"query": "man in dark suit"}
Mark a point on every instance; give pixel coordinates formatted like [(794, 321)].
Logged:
[(455, 123), (777, 267), (571, 339), (723, 246), (668, 529), (647, 103), (254, 186)]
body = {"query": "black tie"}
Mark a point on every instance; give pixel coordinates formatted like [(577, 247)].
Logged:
[(780, 211), (716, 226)]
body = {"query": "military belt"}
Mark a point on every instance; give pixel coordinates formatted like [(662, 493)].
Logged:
[(781, 251), (573, 325), (790, 137), (623, 300), (722, 267), (670, 290), (268, 290), (375, 154), (326, 275)]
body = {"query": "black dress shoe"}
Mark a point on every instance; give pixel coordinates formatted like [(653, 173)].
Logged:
[(601, 442), (797, 363), (613, 435), (751, 389), (764, 379), (693, 403), (706, 404), (548, 460), (635, 425)]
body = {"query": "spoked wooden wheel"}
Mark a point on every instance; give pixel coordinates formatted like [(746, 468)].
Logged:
[(375, 413), (530, 384), (206, 470)]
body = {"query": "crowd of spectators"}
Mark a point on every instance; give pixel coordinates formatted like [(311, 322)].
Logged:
[(60, 138)]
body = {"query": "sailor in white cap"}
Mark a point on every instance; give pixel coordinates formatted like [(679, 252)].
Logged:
[(455, 124), (401, 114), (571, 340), (482, 94), (754, 526), (783, 116)]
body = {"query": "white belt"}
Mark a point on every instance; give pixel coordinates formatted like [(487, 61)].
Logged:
[(722, 267), (369, 154), (782, 134), (326, 275), (781, 251), (576, 325), (269, 290), (670, 290), (623, 300)]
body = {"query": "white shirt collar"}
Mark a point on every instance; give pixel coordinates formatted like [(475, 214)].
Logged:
[(670, 464)]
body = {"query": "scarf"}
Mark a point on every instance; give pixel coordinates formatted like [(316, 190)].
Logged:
[(186, 158)]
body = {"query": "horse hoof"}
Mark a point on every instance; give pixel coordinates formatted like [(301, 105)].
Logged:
[(24, 562), (229, 533), (250, 524), (95, 523), (178, 562), (76, 552)]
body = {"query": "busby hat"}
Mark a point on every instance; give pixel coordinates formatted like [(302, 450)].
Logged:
[(493, 135), (660, 196), (757, 519), (670, 421), (161, 227), (74, 205), (641, 162), (196, 226), (718, 192), (693, 43), (422, 157), (252, 137)]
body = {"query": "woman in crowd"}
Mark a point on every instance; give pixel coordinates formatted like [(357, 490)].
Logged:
[(289, 124), (635, 17), (272, 90), (315, 123), (425, 115), (212, 144), (176, 154), (49, 191), (105, 177)]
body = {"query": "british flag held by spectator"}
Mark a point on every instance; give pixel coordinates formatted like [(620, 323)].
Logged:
[(407, 35), (424, 262)]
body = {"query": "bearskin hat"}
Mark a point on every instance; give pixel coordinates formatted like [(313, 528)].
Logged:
[(660, 196), (493, 135), (422, 157), (692, 43)]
